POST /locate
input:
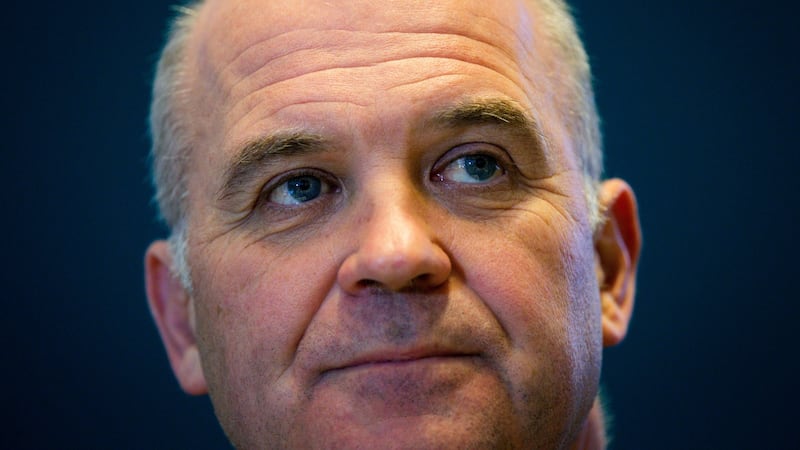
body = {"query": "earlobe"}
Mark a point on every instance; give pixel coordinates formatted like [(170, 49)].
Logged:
[(617, 245), (171, 308)]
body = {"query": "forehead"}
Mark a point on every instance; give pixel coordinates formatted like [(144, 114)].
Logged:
[(228, 27), (268, 41), (257, 59)]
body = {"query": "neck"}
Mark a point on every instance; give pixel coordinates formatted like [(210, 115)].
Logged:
[(593, 434)]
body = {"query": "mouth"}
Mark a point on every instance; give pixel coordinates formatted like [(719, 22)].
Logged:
[(398, 360), (400, 385)]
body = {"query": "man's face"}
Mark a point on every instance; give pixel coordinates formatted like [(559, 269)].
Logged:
[(388, 237)]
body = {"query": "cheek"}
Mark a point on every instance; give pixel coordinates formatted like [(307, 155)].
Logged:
[(536, 279), (253, 306), (539, 283)]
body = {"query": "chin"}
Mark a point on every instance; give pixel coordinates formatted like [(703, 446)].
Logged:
[(429, 432)]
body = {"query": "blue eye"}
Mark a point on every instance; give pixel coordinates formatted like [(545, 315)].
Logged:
[(472, 169), (297, 190)]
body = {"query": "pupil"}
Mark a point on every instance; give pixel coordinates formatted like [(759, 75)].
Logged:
[(304, 189), (480, 167)]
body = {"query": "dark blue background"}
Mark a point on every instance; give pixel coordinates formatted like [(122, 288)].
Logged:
[(699, 101)]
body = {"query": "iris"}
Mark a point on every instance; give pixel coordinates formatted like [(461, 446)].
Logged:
[(304, 189), (479, 167)]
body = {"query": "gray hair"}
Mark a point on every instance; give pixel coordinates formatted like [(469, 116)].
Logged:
[(575, 101), (172, 134)]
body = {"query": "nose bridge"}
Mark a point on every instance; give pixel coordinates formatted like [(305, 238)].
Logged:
[(395, 248), (395, 217)]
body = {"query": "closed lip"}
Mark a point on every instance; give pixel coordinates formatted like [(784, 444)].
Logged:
[(401, 356)]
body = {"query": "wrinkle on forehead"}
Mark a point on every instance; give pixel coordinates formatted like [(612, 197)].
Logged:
[(236, 25), (352, 49), (244, 49), (405, 68), (238, 38)]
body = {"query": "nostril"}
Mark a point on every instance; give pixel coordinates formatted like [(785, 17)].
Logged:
[(368, 284), (380, 265), (375, 287), (419, 282)]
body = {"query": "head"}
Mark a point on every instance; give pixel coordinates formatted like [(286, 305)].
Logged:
[(388, 224)]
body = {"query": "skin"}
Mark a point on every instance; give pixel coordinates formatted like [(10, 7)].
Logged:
[(409, 305)]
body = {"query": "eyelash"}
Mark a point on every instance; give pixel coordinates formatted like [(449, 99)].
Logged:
[(501, 158), (275, 183), (504, 162)]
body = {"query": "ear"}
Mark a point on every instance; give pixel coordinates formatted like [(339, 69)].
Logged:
[(617, 245), (171, 307)]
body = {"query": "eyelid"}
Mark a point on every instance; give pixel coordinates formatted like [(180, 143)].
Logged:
[(269, 187), (504, 161)]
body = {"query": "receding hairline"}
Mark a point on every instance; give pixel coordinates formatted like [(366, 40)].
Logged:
[(573, 111)]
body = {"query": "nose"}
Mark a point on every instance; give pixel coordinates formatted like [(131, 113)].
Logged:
[(396, 251)]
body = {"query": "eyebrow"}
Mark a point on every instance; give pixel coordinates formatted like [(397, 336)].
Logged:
[(258, 154), (492, 111)]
